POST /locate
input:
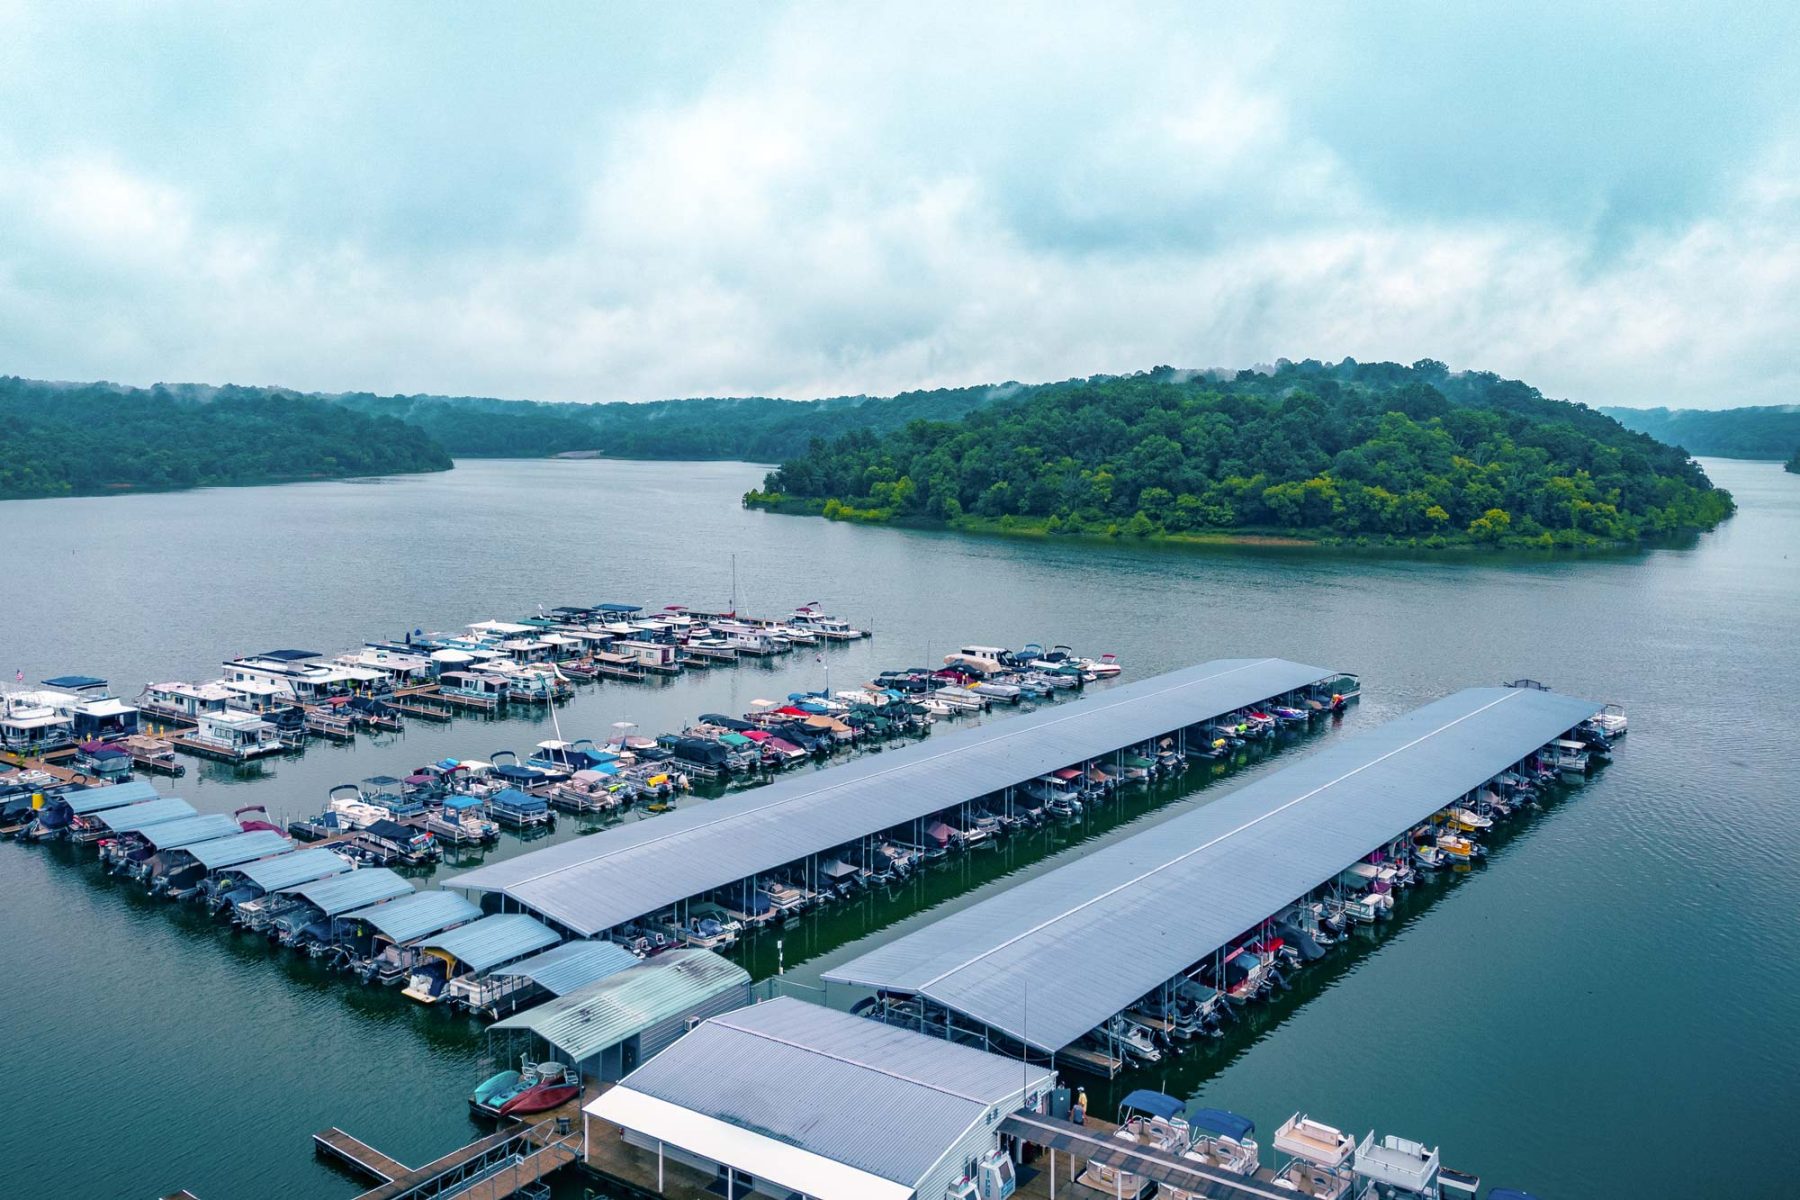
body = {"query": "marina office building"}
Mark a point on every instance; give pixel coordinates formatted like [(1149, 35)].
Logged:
[(1042, 964), (592, 885)]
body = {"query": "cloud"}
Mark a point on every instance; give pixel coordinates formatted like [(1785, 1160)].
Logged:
[(853, 204)]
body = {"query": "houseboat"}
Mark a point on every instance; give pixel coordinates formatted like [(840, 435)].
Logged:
[(95, 713), (28, 725), (230, 736)]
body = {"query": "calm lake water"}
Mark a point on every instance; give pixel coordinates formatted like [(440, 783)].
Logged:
[(1605, 1009)]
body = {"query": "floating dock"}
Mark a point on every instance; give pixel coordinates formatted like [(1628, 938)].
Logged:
[(490, 1168)]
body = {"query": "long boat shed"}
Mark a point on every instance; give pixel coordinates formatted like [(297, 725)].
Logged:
[(135, 817), (1048, 961), (299, 866), (595, 884)]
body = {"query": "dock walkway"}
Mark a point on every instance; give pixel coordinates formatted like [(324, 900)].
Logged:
[(490, 1168)]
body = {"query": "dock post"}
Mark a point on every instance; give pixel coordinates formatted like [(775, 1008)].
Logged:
[(1053, 1173), (659, 1167)]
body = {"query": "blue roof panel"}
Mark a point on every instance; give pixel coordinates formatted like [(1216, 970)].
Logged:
[(289, 869), (342, 893), (241, 848), (134, 817), (99, 799), (419, 915), (561, 969), (494, 940)]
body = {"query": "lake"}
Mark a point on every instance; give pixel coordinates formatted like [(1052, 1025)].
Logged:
[(1604, 1009)]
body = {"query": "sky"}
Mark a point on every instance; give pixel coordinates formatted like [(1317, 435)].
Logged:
[(621, 201)]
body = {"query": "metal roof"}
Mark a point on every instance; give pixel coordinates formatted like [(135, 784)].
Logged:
[(172, 835), (419, 915), (239, 848), (342, 893), (75, 681), (594, 883), (923, 1093), (1091, 937), (494, 940), (624, 1004), (93, 800), (561, 969), (134, 817), (301, 866)]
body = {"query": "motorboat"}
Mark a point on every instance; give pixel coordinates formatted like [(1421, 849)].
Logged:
[(1148, 1120), (1459, 849), (1223, 1141), (1470, 821), (1130, 1037), (552, 1090), (1318, 1158)]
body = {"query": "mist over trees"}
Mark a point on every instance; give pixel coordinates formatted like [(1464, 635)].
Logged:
[(1767, 432), (87, 439)]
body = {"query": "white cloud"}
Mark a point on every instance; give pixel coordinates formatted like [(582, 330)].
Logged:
[(851, 209)]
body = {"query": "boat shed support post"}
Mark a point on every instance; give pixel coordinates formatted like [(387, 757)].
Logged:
[(659, 1168), (1053, 1173)]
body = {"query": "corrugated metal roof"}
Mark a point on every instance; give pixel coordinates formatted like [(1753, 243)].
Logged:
[(171, 835), (561, 969), (594, 883), (494, 940), (99, 799), (298, 867), (1092, 937), (606, 1012), (142, 816), (239, 848), (922, 1093), (418, 915), (342, 893)]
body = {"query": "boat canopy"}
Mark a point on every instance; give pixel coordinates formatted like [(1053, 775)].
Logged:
[(75, 682), (239, 848), (100, 799), (288, 869), (172, 835), (1222, 1122), (492, 941), (521, 774), (1153, 1103), (412, 917), (837, 868), (134, 817), (461, 803), (344, 893), (562, 969)]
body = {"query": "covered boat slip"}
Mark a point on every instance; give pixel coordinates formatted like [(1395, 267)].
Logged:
[(597, 883), (1171, 896), (134, 818), (603, 1029), (238, 848), (284, 871), (103, 799), (186, 831), (338, 894)]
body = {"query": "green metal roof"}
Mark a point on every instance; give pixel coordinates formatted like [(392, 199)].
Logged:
[(606, 1012)]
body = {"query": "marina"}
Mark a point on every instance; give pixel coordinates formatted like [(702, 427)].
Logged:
[(1534, 865)]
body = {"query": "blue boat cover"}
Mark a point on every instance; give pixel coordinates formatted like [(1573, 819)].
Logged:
[(1153, 1103), (508, 771), (517, 801), (1225, 1124), (74, 681), (458, 803)]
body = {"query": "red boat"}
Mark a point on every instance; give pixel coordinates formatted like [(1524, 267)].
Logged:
[(542, 1098)]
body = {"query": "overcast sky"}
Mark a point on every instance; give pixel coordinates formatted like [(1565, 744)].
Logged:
[(607, 201)]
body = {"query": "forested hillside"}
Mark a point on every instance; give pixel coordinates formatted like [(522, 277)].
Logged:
[(755, 428), (62, 440), (1769, 432), (1346, 451)]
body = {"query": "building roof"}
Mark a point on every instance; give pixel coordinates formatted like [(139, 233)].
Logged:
[(301, 866), (342, 893), (624, 1004), (238, 848), (134, 817), (491, 941), (93, 800), (561, 969), (172, 835), (594, 883), (1173, 894), (419, 915), (922, 1093)]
